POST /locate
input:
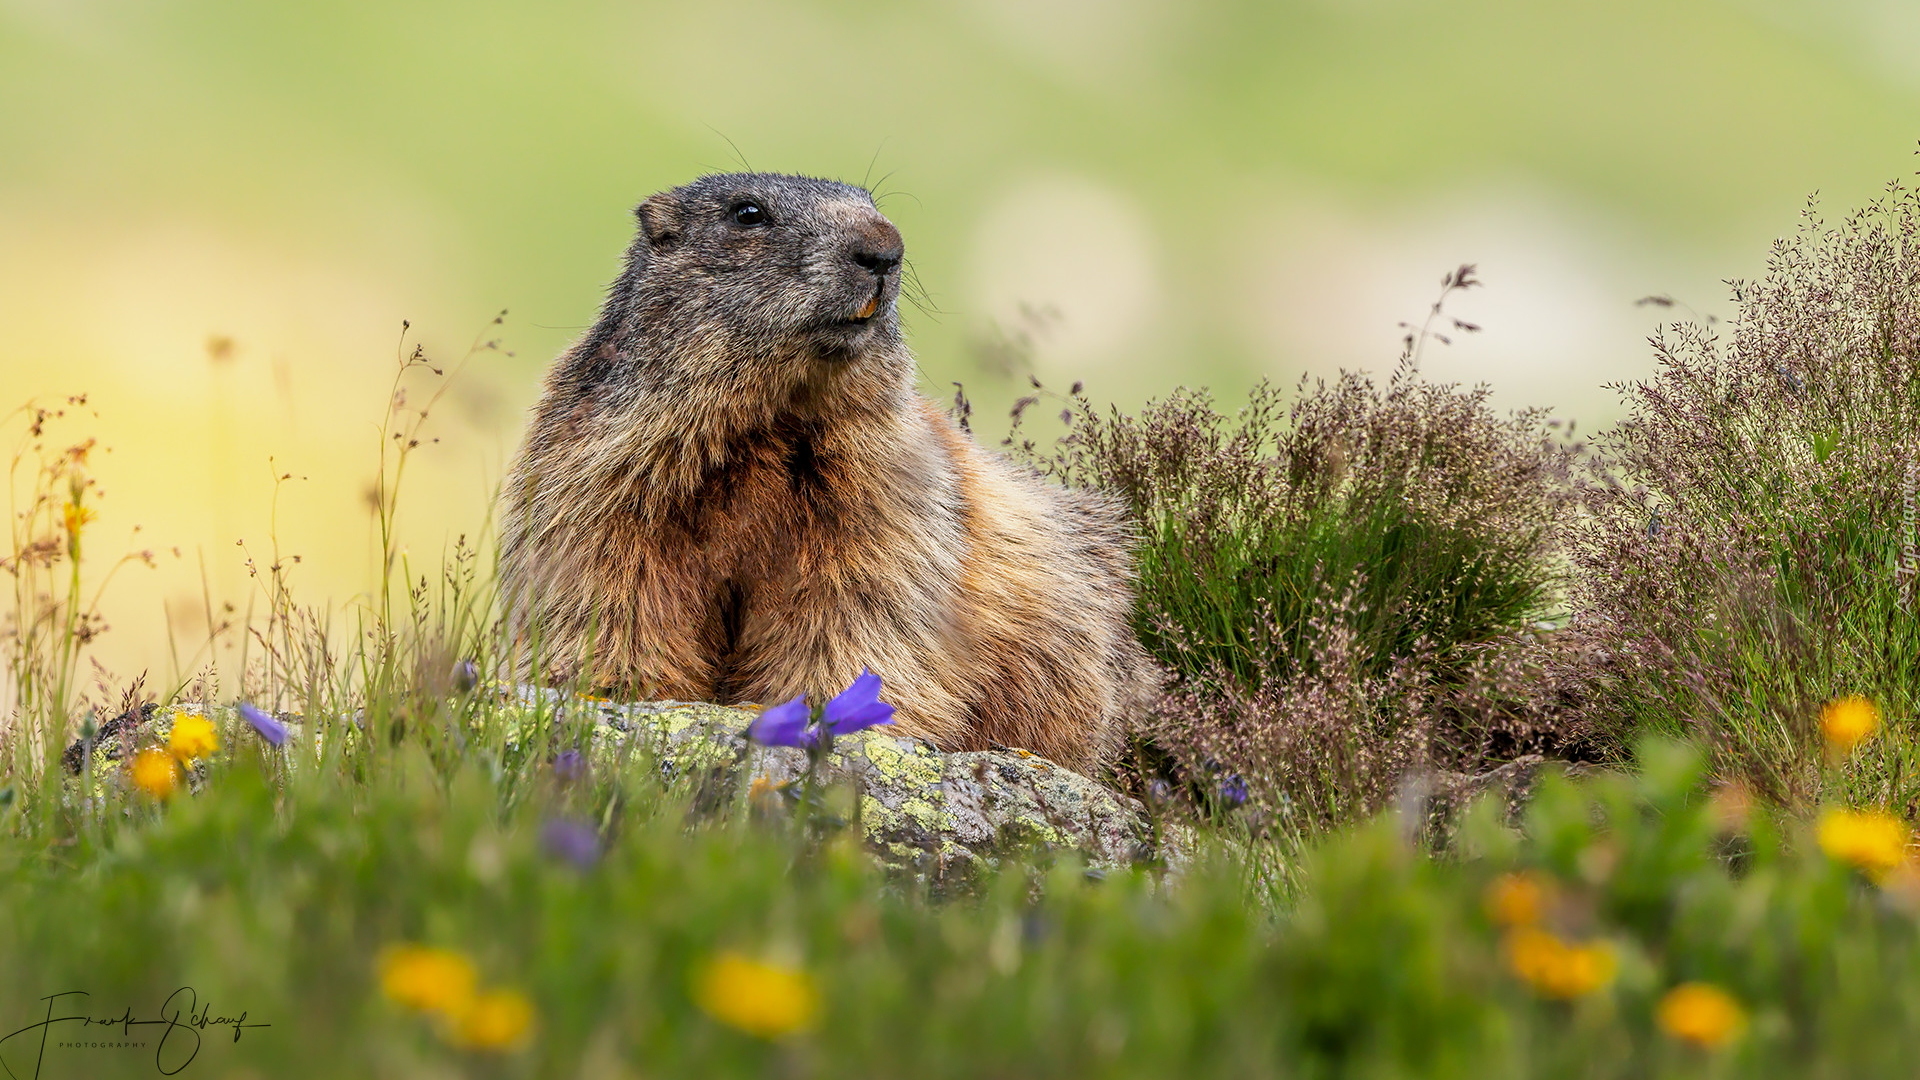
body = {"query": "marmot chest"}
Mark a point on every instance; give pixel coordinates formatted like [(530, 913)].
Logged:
[(779, 509)]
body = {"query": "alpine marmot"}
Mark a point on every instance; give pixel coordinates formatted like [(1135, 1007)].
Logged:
[(730, 492)]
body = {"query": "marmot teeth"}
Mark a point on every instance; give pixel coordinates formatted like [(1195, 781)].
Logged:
[(873, 305)]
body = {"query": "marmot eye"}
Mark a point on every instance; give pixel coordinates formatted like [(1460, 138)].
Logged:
[(749, 214)]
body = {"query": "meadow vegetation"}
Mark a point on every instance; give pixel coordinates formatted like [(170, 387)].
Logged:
[(1346, 585), (1748, 550), (1358, 590)]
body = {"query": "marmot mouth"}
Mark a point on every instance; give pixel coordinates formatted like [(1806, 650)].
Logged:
[(867, 310)]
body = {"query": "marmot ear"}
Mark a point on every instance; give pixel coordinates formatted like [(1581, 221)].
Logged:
[(660, 220)]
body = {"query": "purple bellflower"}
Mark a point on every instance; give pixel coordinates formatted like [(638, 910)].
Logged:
[(569, 765), (572, 841), (1233, 790), (784, 724), (263, 722), (858, 707), (792, 723)]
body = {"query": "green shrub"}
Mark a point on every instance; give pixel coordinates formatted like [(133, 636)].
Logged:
[(1749, 546), (276, 892), (1329, 578)]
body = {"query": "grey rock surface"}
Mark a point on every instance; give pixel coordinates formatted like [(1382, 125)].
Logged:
[(919, 808)]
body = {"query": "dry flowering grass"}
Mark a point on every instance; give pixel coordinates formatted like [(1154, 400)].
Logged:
[(1750, 549)]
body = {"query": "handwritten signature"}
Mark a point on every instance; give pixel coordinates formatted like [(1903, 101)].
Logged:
[(178, 1044)]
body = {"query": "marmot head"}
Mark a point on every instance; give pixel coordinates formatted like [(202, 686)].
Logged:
[(760, 268)]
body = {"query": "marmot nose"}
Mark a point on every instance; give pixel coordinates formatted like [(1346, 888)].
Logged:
[(880, 262), (877, 247)]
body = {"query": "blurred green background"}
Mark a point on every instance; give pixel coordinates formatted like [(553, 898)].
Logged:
[(1200, 192)]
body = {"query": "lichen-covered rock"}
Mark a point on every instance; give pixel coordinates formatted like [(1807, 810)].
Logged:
[(946, 814), (101, 752)]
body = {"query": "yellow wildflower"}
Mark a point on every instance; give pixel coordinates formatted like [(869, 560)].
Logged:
[(428, 979), (759, 998), (764, 795), (1559, 969), (75, 517), (1517, 899), (496, 1020), (1873, 841), (155, 773), (192, 737), (1847, 722), (1700, 1013)]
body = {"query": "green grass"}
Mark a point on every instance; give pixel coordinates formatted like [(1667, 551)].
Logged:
[(273, 888)]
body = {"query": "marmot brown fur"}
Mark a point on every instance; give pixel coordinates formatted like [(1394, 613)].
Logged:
[(731, 492)]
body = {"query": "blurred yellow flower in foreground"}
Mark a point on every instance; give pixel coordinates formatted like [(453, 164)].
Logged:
[(763, 795), (192, 737), (428, 979), (75, 517), (768, 1000), (155, 773), (496, 1020), (1700, 1013), (1848, 721), (445, 983), (1517, 899), (1868, 839), (1556, 968)]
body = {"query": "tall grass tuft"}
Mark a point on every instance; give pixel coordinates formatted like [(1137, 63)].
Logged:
[(1749, 545), (51, 615), (393, 669)]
